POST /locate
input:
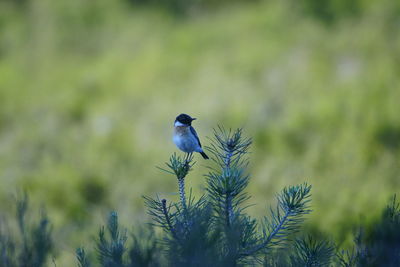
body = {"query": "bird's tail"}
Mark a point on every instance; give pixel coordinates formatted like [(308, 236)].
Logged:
[(204, 155)]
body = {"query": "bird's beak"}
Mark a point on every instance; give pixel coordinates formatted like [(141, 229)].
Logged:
[(194, 119)]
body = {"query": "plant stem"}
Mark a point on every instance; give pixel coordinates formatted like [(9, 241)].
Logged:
[(228, 157), (270, 237), (228, 197), (168, 220), (181, 184), (228, 209)]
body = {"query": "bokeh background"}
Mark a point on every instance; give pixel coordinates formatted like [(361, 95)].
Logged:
[(89, 91)]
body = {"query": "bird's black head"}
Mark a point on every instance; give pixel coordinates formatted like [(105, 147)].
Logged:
[(184, 119)]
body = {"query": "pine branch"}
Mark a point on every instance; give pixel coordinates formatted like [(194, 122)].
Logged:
[(226, 188), (41, 240), (111, 251), (156, 210), (22, 207), (309, 252), (182, 196), (168, 220), (81, 258), (180, 167), (347, 258), (145, 250), (228, 147), (34, 244), (292, 206)]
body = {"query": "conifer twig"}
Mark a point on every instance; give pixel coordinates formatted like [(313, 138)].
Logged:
[(182, 196), (293, 203), (81, 257), (180, 167), (168, 220), (226, 187)]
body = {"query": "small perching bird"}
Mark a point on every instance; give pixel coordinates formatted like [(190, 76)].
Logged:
[(185, 136)]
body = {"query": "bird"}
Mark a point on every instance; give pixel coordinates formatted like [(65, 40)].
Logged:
[(185, 136)]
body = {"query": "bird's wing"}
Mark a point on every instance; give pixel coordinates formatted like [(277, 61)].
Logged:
[(193, 131)]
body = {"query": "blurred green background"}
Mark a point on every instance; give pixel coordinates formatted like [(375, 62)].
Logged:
[(89, 91)]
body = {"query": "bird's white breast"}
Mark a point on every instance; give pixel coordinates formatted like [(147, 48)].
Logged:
[(185, 140)]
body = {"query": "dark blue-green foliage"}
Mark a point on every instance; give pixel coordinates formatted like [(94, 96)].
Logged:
[(309, 252), (81, 257), (211, 230), (214, 230), (31, 245), (114, 250), (380, 246), (382, 243), (144, 250), (111, 251)]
